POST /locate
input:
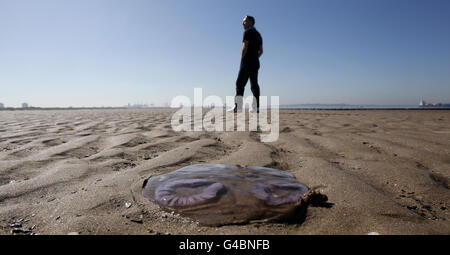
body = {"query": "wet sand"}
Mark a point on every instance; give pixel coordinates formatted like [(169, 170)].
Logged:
[(63, 171)]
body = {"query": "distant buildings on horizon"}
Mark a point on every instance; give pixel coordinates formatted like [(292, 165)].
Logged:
[(24, 105), (138, 106), (422, 104), (142, 106), (131, 106), (425, 104)]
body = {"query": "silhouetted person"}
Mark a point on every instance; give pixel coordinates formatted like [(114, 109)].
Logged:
[(251, 51)]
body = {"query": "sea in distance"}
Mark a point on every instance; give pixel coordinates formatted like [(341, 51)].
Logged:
[(358, 107), (290, 106)]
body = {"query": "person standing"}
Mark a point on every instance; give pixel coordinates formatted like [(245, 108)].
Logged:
[(252, 49)]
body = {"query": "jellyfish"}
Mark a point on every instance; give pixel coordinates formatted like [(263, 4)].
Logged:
[(216, 194)]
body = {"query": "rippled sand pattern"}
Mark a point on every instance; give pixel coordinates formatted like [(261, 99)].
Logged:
[(82, 170)]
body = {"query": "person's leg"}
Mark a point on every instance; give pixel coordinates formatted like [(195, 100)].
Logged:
[(254, 85), (240, 86)]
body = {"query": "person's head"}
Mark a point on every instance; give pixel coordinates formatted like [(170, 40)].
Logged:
[(249, 21)]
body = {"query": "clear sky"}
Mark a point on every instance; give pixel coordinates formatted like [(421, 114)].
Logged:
[(111, 52)]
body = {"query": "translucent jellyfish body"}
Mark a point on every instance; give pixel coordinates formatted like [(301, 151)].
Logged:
[(215, 194)]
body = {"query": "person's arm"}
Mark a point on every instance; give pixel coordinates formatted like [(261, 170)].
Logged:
[(260, 51), (244, 49)]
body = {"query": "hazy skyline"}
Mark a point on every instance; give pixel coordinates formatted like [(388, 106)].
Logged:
[(110, 53)]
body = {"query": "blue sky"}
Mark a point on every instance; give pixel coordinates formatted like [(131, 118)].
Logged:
[(111, 52)]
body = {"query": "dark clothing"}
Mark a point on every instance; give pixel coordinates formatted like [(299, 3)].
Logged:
[(250, 65), (245, 73), (254, 39)]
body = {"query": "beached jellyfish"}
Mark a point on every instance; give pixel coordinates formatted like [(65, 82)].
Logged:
[(215, 194)]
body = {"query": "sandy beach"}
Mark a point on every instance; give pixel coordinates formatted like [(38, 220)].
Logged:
[(65, 171)]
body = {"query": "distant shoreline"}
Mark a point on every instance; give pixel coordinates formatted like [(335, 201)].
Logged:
[(77, 108), (283, 107)]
